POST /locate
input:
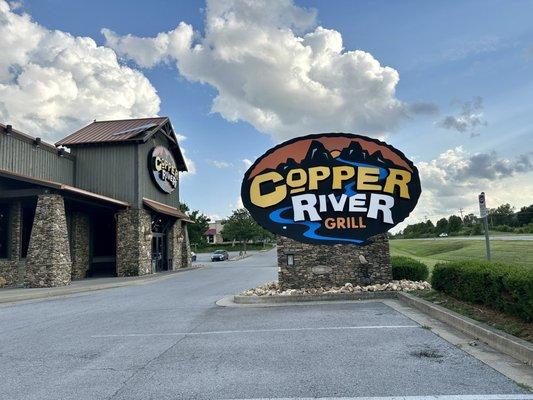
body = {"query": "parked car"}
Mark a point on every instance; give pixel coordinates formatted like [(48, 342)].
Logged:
[(220, 255), (193, 256), (443, 234)]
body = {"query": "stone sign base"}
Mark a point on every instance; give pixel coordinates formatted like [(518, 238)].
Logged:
[(304, 265)]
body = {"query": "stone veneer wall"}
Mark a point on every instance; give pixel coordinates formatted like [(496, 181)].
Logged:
[(186, 261), (324, 265), (9, 267), (79, 245), (175, 239), (48, 261), (134, 242)]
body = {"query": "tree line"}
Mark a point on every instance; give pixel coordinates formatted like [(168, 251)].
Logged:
[(503, 218), (239, 227)]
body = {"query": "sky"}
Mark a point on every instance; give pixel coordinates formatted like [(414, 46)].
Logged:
[(449, 83)]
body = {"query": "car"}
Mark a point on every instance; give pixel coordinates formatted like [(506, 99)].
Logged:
[(220, 255), (443, 234), (193, 256)]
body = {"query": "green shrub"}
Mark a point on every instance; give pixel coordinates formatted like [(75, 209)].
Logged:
[(408, 268), (508, 288)]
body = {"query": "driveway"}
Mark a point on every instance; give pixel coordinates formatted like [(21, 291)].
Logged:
[(168, 340)]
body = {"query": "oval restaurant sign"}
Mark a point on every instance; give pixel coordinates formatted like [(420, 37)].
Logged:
[(163, 169), (331, 188)]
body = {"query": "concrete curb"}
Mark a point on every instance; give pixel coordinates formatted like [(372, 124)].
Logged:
[(508, 344), (306, 298), (39, 294), (238, 258)]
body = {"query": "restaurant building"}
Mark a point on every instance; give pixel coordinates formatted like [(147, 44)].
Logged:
[(104, 201)]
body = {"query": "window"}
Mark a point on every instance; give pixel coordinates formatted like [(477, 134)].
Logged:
[(4, 230), (28, 214)]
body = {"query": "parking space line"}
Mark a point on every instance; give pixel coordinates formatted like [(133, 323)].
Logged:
[(516, 396), (328, 328)]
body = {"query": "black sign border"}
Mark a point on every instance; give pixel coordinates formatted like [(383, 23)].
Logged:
[(246, 198), (151, 168)]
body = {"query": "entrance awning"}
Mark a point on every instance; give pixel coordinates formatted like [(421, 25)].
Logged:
[(167, 210)]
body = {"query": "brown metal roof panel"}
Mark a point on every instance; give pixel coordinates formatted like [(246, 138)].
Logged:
[(111, 131), (62, 187), (165, 209)]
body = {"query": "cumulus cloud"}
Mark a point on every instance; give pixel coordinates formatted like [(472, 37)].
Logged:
[(219, 164), (273, 68), (455, 178), (247, 163), (51, 82), (423, 108), (191, 166), (468, 119)]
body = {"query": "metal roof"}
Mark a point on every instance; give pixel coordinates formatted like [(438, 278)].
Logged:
[(31, 139), (165, 209), (113, 131), (125, 130), (62, 187)]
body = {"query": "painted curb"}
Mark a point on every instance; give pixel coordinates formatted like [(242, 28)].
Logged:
[(508, 344), (68, 290), (307, 298)]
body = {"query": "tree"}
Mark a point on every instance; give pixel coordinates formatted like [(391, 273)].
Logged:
[(502, 215), (470, 220), (240, 226), (525, 215), (454, 223), (442, 226), (198, 227)]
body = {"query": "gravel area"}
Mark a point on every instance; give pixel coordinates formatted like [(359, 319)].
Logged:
[(274, 289)]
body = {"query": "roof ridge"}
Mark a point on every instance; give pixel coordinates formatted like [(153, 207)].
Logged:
[(127, 119)]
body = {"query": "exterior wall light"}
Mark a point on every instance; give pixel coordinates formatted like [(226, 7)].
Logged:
[(290, 259)]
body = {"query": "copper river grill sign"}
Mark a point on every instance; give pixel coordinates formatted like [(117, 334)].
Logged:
[(163, 169), (331, 188)]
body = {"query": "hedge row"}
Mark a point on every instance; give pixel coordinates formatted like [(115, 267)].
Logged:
[(508, 288), (408, 268)]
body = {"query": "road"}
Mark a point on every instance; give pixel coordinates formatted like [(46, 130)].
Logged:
[(168, 340)]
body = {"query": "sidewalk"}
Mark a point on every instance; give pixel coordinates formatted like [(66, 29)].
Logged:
[(9, 295)]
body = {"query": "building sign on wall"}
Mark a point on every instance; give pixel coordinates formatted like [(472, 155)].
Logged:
[(331, 188), (163, 169)]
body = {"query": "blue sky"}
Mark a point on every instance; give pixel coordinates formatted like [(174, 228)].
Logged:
[(474, 57)]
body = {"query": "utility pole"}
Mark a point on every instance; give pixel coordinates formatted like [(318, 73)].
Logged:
[(484, 214)]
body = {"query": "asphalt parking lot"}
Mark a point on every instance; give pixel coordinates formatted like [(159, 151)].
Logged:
[(168, 340)]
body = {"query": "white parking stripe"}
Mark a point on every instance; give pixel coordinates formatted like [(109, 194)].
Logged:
[(437, 397), (328, 328)]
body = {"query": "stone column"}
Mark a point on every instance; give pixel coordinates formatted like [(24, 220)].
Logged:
[(79, 245), (134, 242), (9, 268), (323, 265), (175, 239), (186, 261), (48, 261)]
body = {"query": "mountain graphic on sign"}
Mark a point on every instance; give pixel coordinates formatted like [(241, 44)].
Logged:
[(318, 154)]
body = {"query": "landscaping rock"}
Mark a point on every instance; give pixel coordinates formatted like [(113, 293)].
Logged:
[(274, 289)]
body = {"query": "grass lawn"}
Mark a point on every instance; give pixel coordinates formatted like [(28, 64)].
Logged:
[(432, 251)]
